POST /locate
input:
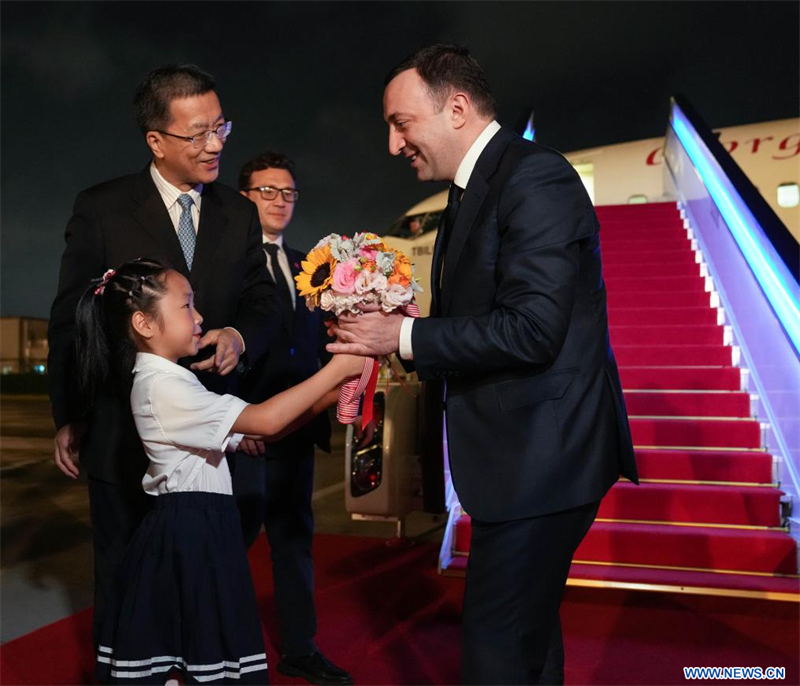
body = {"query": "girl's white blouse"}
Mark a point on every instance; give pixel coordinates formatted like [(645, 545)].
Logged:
[(184, 428)]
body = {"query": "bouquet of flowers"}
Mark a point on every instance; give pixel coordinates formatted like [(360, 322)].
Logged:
[(339, 274)]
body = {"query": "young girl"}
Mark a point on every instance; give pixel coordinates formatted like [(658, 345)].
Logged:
[(185, 599)]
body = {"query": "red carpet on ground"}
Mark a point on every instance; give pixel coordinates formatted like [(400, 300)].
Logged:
[(387, 616)]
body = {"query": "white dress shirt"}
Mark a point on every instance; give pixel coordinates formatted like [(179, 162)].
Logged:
[(169, 194), (184, 428), (463, 174), (283, 263)]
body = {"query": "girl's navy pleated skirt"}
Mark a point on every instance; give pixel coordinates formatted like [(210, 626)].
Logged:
[(185, 599)]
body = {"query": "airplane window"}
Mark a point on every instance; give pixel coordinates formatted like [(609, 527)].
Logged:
[(637, 199), (414, 226), (788, 195)]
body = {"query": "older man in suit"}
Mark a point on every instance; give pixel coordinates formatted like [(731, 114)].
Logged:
[(536, 423), (275, 488), (174, 211)]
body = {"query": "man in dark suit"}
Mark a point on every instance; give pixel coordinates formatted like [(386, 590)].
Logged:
[(173, 211), (275, 489), (536, 423)]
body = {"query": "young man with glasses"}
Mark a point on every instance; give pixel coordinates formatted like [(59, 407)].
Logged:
[(173, 211), (275, 488)]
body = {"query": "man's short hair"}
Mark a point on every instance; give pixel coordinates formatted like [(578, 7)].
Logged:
[(444, 68), (266, 160), (160, 87)]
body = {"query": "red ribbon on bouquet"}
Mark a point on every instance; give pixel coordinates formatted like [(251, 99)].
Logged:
[(350, 392)]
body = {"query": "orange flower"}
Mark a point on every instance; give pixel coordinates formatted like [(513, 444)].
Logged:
[(403, 270), (375, 246)]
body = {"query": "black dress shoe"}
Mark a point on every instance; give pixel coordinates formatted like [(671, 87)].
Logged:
[(314, 668)]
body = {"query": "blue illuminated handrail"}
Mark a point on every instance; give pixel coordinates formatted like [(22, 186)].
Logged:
[(769, 266), (775, 230)]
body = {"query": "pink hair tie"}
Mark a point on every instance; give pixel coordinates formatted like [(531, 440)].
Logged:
[(104, 282)]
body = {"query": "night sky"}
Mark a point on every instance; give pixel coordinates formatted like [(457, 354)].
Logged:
[(306, 78)]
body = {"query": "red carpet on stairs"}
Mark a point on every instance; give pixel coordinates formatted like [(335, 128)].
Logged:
[(389, 618), (707, 514)]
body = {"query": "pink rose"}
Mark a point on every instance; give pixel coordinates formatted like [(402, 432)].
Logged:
[(368, 254), (344, 277)]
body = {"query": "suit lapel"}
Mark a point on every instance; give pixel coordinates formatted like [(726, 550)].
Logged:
[(471, 203), (213, 220), (151, 214)]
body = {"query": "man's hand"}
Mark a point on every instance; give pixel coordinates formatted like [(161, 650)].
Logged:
[(225, 359), (371, 333), (252, 446), (67, 446)]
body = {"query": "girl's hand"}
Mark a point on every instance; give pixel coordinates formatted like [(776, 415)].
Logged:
[(349, 365)]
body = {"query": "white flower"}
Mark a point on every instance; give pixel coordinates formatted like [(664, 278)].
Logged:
[(395, 296), (378, 282), (342, 249), (327, 300), (385, 262), (363, 282)]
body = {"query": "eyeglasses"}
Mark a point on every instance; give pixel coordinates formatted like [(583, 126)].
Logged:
[(270, 193), (201, 140)]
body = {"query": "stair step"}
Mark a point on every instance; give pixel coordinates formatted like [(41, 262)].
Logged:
[(620, 244), (669, 580), (647, 283), (687, 404), (728, 505), (676, 257), (678, 580), (631, 334), (677, 316), (698, 298), (690, 355), (694, 547), (639, 230), (738, 550), (628, 271), (651, 210), (681, 378), (705, 465), (696, 433)]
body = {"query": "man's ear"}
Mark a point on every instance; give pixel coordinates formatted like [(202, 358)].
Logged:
[(460, 106), (155, 141), (143, 324), (244, 193)]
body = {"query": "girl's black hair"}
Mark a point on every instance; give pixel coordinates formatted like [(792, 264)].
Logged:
[(104, 338)]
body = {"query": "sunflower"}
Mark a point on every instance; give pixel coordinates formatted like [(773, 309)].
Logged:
[(317, 273)]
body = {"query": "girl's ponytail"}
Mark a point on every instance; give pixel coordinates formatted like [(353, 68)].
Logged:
[(91, 344)]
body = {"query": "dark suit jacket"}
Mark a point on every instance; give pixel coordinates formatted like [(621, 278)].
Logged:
[(121, 220), (536, 419), (295, 355)]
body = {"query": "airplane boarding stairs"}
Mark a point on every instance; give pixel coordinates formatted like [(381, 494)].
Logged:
[(708, 516)]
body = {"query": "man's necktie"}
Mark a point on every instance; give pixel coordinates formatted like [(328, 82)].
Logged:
[(186, 233), (446, 226), (277, 273)]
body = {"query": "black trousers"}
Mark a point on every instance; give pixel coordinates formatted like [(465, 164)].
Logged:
[(516, 576), (276, 492), (116, 511)]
